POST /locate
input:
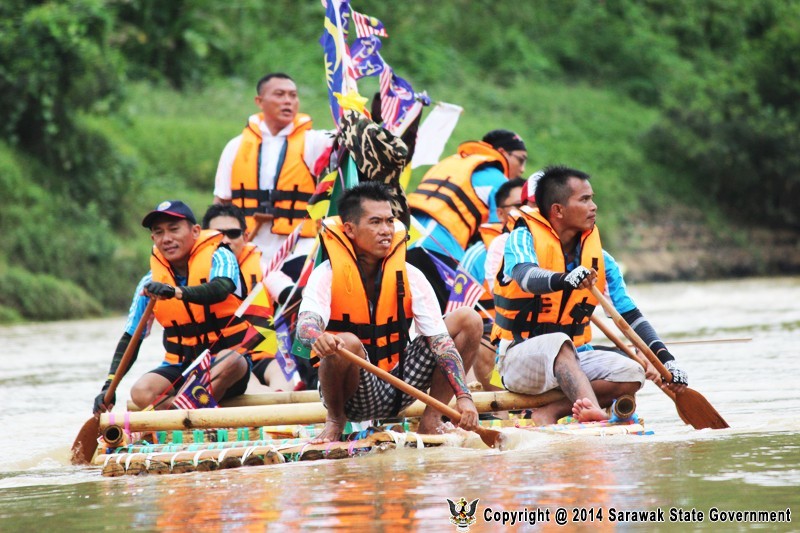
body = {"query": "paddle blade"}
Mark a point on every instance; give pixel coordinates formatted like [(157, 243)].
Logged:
[(490, 437), (697, 411), (86, 442)]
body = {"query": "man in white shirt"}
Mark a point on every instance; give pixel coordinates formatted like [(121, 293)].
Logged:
[(362, 299), (270, 169)]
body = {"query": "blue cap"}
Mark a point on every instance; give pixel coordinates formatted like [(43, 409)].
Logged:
[(170, 208)]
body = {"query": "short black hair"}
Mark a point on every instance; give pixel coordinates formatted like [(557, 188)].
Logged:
[(350, 202), (224, 210), (552, 187), (504, 191), (265, 79)]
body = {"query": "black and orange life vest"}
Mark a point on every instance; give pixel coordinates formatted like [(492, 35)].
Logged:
[(191, 328), (446, 193), (250, 267), (384, 329), (294, 182), (488, 232), (520, 314)]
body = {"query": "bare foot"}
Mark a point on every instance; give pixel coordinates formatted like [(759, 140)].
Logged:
[(585, 411), (541, 418), (434, 426), (332, 432)]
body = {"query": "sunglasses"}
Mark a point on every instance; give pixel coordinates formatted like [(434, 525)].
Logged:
[(233, 233)]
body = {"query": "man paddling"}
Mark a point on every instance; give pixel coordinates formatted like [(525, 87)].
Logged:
[(362, 298), (543, 304), (193, 277)]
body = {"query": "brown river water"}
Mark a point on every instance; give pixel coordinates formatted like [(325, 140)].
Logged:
[(685, 480)]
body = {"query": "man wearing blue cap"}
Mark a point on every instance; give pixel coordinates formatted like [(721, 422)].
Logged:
[(193, 280)]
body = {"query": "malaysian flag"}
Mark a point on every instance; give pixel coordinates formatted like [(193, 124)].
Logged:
[(399, 103), (196, 390), (464, 292), (366, 25), (367, 60), (447, 274), (338, 69)]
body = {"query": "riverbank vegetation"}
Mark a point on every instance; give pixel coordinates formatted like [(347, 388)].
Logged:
[(110, 106)]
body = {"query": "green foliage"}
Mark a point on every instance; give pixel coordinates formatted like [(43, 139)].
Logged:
[(43, 297), (70, 241), (54, 62), (736, 131), (182, 41)]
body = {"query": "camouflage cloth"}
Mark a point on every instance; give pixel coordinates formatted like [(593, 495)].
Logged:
[(378, 155)]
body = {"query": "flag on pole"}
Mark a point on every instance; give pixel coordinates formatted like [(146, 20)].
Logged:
[(284, 251), (397, 100), (367, 61), (194, 396), (445, 271), (320, 201), (338, 68), (434, 133), (257, 309), (196, 390), (366, 25), (465, 291)]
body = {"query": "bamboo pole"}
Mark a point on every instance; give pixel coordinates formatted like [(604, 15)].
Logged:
[(297, 413), (264, 398)]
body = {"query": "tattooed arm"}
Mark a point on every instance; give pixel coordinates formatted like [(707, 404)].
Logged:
[(310, 333), (309, 327), (449, 362)]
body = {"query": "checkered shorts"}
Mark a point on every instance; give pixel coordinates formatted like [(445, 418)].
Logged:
[(375, 398)]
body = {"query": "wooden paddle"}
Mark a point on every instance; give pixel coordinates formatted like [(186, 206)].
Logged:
[(86, 442), (690, 404), (490, 437), (633, 355), (710, 341), (260, 218)]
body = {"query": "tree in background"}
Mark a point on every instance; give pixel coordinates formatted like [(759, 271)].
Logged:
[(735, 129)]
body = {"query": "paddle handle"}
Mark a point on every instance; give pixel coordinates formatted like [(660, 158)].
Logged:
[(122, 369), (260, 218), (632, 336), (610, 335), (401, 385), (617, 341)]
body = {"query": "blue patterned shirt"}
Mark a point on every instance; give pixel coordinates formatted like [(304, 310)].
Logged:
[(223, 264)]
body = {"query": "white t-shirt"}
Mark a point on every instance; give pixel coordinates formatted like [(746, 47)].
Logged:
[(316, 142), (424, 305), (494, 256)]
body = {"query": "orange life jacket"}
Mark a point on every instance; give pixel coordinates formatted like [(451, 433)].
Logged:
[(191, 328), (488, 232), (520, 314), (294, 183), (383, 331), (249, 267), (446, 193)]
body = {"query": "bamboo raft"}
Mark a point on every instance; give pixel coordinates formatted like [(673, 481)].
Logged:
[(257, 430)]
